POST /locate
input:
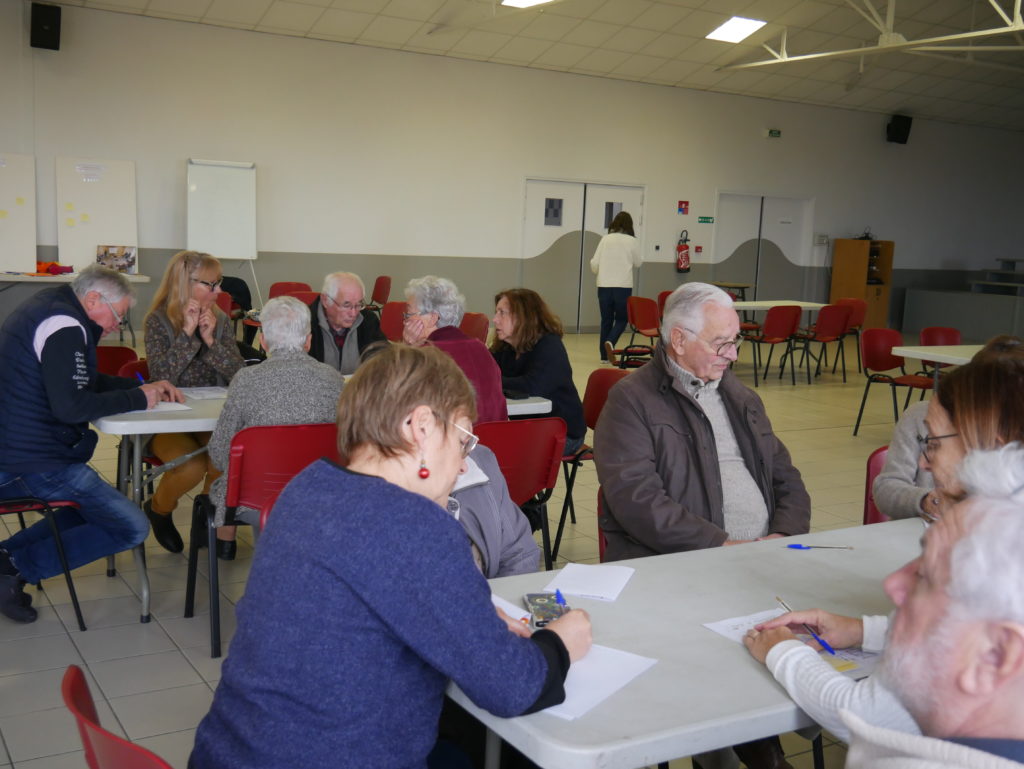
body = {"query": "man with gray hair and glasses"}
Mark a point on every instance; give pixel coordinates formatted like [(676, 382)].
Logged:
[(51, 390), (342, 326), (687, 458)]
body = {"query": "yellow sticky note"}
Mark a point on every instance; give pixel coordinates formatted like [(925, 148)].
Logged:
[(84, 217), (69, 206), (3, 214), (69, 222), (840, 664), (19, 201)]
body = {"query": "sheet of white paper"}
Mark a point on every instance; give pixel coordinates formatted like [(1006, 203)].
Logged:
[(735, 628), (597, 677), (167, 406), (204, 393), (515, 612), (603, 582)]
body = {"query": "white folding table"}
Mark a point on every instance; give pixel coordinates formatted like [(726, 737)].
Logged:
[(954, 354)]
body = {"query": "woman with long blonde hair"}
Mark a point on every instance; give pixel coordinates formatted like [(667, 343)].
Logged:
[(190, 343)]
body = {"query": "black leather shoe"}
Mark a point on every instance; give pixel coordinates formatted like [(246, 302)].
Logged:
[(226, 549), (163, 529), (12, 599)]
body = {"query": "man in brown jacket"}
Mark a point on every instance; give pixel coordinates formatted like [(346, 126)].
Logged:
[(686, 456)]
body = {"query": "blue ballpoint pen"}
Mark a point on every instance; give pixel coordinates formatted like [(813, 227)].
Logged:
[(141, 378), (824, 644), (560, 600)]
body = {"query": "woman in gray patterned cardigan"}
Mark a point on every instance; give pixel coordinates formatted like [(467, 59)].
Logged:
[(289, 388)]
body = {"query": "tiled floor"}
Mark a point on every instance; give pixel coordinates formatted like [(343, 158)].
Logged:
[(153, 683)]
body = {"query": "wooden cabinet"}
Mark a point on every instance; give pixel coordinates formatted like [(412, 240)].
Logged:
[(863, 269)]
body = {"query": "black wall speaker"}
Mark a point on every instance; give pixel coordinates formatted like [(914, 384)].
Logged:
[(898, 129), (45, 26)]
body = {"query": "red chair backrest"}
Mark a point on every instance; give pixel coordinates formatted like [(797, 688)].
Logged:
[(643, 315), (103, 750), (133, 367), (599, 383), (876, 348), (476, 325), (391, 321), (833, 321), (781, 322), (529, 453), (939, 335), (263, 459), (662, 298), (306, 297), (859, 310), (381, 290), (109, 359), (223, 300), (284, 286), (875, 463)]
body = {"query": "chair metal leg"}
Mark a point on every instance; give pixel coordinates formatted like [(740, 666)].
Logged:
[(49, 514), (214, 578), (139, 554), (545, 538), (768, 365), (193, 564), (860, 413), (111, 566), (818, 751), (895, 408), (567, 506)]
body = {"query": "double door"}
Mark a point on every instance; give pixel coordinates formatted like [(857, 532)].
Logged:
[(562, 224)]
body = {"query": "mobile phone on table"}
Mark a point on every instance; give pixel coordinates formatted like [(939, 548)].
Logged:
[(543, 608)]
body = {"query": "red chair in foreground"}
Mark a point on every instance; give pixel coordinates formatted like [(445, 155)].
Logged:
[(529, 452), (644, 318), (103, 750), (875, 464), (876, 351), (379, 295), (476, 325), (110, 358), (261, 462), (392, 321), (780, 324), (599, 383)]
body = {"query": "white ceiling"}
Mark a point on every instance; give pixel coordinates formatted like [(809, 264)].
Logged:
[(662, 42)]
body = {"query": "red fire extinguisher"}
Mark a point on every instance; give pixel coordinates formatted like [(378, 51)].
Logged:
[(683, 252)]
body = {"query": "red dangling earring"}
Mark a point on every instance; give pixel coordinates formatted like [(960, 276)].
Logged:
[(424, 472)]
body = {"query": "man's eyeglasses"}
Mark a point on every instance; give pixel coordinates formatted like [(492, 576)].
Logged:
[(113, 312), (213, 285), (721, 348), (929, 443), (470, 441), (346, 306)]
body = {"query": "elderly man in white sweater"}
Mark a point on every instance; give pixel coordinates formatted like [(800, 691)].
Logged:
[(954, 661)]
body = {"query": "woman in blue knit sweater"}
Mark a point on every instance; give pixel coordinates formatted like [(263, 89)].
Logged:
[(364, 601)]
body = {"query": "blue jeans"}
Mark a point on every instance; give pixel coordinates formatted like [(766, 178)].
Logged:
[(612, 302), (106, 522)]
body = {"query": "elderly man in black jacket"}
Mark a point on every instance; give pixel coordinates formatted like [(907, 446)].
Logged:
[(342, 326)]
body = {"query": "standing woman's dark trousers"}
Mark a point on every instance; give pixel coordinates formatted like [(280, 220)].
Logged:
[(612, 302)]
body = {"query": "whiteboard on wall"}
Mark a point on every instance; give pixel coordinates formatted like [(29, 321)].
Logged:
[(17, 213), (95, 207), (222, 208)]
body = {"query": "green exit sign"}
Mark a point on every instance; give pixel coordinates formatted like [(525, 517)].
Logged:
[(705, 220), (774, 133)]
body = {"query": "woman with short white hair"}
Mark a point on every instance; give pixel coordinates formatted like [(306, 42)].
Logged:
[(433, 311)]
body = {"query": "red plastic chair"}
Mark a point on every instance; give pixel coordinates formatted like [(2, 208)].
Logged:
[(937, 336), (780, 324), (284, 286), (48, 509), (381, 292), (103, 750), (131, 369), (858, 312), (476, 325), (876, 350), (392, 321), (875, 463), (306, 297), (599, 383), (110, 358), (529, 452), (832, 324), (261, 462), (644, 318)]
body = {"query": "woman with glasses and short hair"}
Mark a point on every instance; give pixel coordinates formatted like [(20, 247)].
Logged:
[(977, 406), (190, 343), (364, 602)]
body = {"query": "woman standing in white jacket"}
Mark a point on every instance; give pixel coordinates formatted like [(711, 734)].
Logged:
[(613, 262)]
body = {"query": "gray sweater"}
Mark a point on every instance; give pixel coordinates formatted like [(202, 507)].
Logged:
[(289, 388), (898, 489)]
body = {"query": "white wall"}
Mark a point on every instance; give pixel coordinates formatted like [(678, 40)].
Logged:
[(369, 151)]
